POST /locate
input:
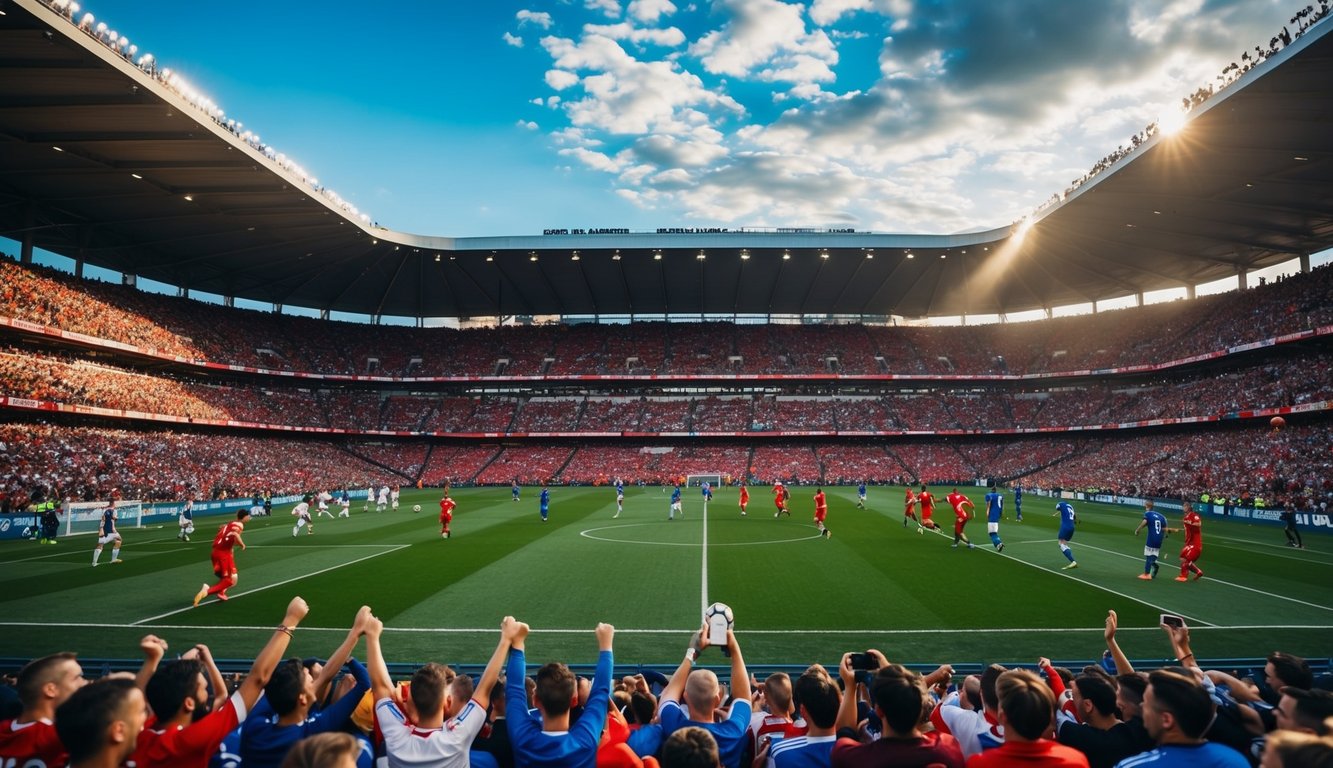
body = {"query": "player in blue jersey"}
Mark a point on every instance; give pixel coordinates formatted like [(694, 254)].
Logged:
[(707, 490), (1155, 522), (514, 490), (675, 505), (861, 495), (620, 498), (107, 534), (994, 509), (545, 502), (1018, 503), (1068, 519)]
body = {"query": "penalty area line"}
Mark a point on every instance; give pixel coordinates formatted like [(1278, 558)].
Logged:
[(395, 548)]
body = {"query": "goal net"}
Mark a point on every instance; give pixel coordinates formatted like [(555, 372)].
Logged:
[(697, 481), (86, 516)]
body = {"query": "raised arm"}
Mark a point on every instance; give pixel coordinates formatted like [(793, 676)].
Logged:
[(847, 709), (676, 686), (740, 678), (262, 670), (215, 679), (1180, 645), (1122, 665), (381, 686), (154, 648), (334, 666), (482, 694)]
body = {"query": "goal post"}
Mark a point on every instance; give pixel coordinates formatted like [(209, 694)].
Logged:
[(86, 516), (696, 481)]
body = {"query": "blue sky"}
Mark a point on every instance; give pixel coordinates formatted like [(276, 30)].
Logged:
[(491, 117)]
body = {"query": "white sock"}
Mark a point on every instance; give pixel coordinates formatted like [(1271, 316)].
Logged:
[(115, 553), (97, 553)]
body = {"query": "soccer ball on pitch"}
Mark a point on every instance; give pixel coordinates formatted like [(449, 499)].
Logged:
[(416, 507)]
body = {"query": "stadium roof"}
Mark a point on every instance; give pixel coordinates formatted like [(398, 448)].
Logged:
[(103, 163)]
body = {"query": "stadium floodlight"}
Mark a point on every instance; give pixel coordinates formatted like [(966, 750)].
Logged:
[(745, 254), (823, 254), (701, 256), (786, 255)]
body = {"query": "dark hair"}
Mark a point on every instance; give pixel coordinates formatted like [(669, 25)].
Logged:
[(286, 683), (1313, 708), (989, 698), (81, 722), (641, 706), (1291, 670), (172, 683), (37, 673), (322, 749), (243, 513), (556, 686), (820, 698), (1097, 690), (428, 687), (1027, 703), (1185, 699), (691, 747), (1131, 686), (898, 693)]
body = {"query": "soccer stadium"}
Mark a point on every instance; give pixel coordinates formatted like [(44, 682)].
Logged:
[(1000, 445)]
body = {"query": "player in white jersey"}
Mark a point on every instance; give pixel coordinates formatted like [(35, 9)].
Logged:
[(107, 534), (393, 497), (322, 504), (186, 520), (382, 500), (370, 498), (302, 514)]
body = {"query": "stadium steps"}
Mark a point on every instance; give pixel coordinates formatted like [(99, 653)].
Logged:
[(561, 469), (380, 464)]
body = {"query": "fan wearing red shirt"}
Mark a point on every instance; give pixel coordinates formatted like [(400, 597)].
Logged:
[(183, 732), (1193, 544), (446, 514), (821, 512), (927, 501), (958, 501), (43, 685), (224, 559), (1027, 710)]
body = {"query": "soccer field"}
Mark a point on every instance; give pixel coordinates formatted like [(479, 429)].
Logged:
[(797, 598)]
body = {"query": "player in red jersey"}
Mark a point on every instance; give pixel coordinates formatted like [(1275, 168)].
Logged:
[(927, 501), (780, 496), (745, 498), (224, 561), (1193, 543), (821, 512), (958, 501), (910, 512), (446, 513), (43, 685)]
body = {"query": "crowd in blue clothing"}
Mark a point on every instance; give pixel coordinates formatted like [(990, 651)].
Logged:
[(869, 712)]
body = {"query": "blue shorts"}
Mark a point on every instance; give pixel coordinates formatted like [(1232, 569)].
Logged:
[(1066, 534)]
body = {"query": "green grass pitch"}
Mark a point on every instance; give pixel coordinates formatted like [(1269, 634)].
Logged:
[(797, 598)]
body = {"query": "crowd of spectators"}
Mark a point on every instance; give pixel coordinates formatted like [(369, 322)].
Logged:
[(1150, 335), (865, 710)]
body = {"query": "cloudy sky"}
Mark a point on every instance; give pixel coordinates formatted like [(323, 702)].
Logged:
[(491, 117)]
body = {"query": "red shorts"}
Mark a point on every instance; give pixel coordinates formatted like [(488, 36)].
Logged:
[(958, 524), (446, 518), (224, 563), (820, 514), (926, 513), (909, 512), (1191, 553)]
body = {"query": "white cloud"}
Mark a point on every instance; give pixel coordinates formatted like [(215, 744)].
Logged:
[(595, 160), (559, 79), (769, 36), (513, 40), (609, 7), (528, 124), (669, 37), (538, 18), (649, 11)]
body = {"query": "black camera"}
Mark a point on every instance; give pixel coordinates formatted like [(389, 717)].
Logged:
[(864, 661)]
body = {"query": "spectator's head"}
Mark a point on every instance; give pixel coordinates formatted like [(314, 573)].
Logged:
[(430, 688), (1284, 669), (290, 687), (1293, 749), (691, 747), (498, 697), (1176, 708), (1094, 693), (642, 706), (702, 692), (990, 699), (460, 691), (102, 719), (1305, 710), (44, 684), (819, 699), (899, 697), (556, 688), (1129, 694), (1027, 706), (178, 688), (324, 750), (777, 692), (969, 693)]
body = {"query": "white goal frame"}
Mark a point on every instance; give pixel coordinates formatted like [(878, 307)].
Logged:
[(85, 516), (696, 481)]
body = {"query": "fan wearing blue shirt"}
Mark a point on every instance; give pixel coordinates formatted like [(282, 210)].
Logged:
[(819, 701), (1068, 519), (693, 698), (1155, 522), (552, 742), (285, 714), (1176, 711)]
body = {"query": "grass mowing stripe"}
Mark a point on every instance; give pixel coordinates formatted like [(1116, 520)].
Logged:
[(388, 549), (1224, 583)]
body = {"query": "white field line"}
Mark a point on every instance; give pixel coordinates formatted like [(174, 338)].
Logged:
[(676, 631), (388, 549), (703, 569)]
